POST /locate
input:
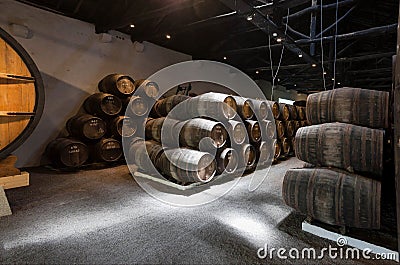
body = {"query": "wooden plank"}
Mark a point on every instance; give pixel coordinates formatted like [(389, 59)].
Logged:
[(27, 79), (16, 181), (5, 209), (396, 142)]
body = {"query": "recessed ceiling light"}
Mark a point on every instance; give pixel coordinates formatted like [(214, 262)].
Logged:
[(279, 40), (257, 72), (324, 73), (338, 83), (295, 84), (132, 25), (333, 79), (225, 58), (300, 55), (275, 34), (249, 17), (314, 65), (168, 36)]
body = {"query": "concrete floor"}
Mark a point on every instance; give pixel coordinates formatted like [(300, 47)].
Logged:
[(103, 217)]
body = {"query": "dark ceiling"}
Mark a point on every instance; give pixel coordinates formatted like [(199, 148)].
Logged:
[(240, 32)]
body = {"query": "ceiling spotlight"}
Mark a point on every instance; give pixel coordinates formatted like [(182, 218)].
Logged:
[(333, 79), (295, 84), (338, 83), (168, 36), (279, 79), (257, 72), (279, 40), (300, 55), (314, 65), (225, 58), (275, 34), (324, 73), (249, 17), (131, 25)]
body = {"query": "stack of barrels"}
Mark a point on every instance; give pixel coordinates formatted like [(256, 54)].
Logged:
[(288, 119), (204, 136), (344, 148), (95, 133)]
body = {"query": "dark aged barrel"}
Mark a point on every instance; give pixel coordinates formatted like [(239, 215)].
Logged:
[(164, 106), (117, 84), (280, 129), (145, 154), (261, 109), (147, 88), (244, 107), (237, 132), (188, 166), (332, 197), (293, 115), (136, 106), (346, 146), (247, 156), (286, 146), (227, 161), (253, 130), (103, 105), (268, 129), (86, 127), (213, 105), (203, 134), (301, 113), (67, 152), (264, 153), (357, 106), (122, 126), (278, 149), (290, 128), (156, 129), (107, 150), (303, 123), (275, 109), (284, 112), (297, 125)]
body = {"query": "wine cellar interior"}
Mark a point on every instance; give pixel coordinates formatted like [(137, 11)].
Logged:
[(199, 132)]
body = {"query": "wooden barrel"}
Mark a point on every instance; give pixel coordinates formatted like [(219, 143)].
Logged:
[(86, 127), (156, 129), (303, 123), (278, 149), (136, 106), (164, 106), (264, 153), (261, 109), (301, 113), (227, 161), (275, 109), (214, 105), (346, 146), (290, 128), (145, 154), (203, 134), (106, 150), (122, 126), (103, 105), (280, 129), (147, 88), (253, 130), (245, 107), (286, 144), (357, 106), (21, 94), (237, 132), (188, 166), (247, 156), (297, 126), (284, 110), (268, 129), (117, 84), (332, 197), (67, 152)]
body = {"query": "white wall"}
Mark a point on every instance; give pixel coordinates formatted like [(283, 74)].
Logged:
[(72, 60)]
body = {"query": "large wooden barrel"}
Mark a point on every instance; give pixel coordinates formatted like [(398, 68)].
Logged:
[(280, 129), (332, 197), (293, 115), (357, 106), (278, 149), (203, 134), (103, 105), (164, 106), (122, 126), (247, 156), (145, 154), (227, 161), (268, 129), (245, 107), (136, 106), (156, 129), (290, 128), (117, 84), (264, 153), (213, 105), (253, 130), (346, 146), (86, 127), (188, 166), (106, 150), (67, 152), (147, 88), (301, 113), (286, 145), (275, 109), (21, 94), (237, 132), (284, 110), (261, 109)]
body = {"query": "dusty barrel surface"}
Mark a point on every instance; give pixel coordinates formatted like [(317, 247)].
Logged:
[(103, 105), (333, 197), (357, 106), (86, 127), (203, 134), (122, 126), (107, 150), (165, 105), (227, 161), (67, 152), (117, 84), (245, 107), (346, 146)]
